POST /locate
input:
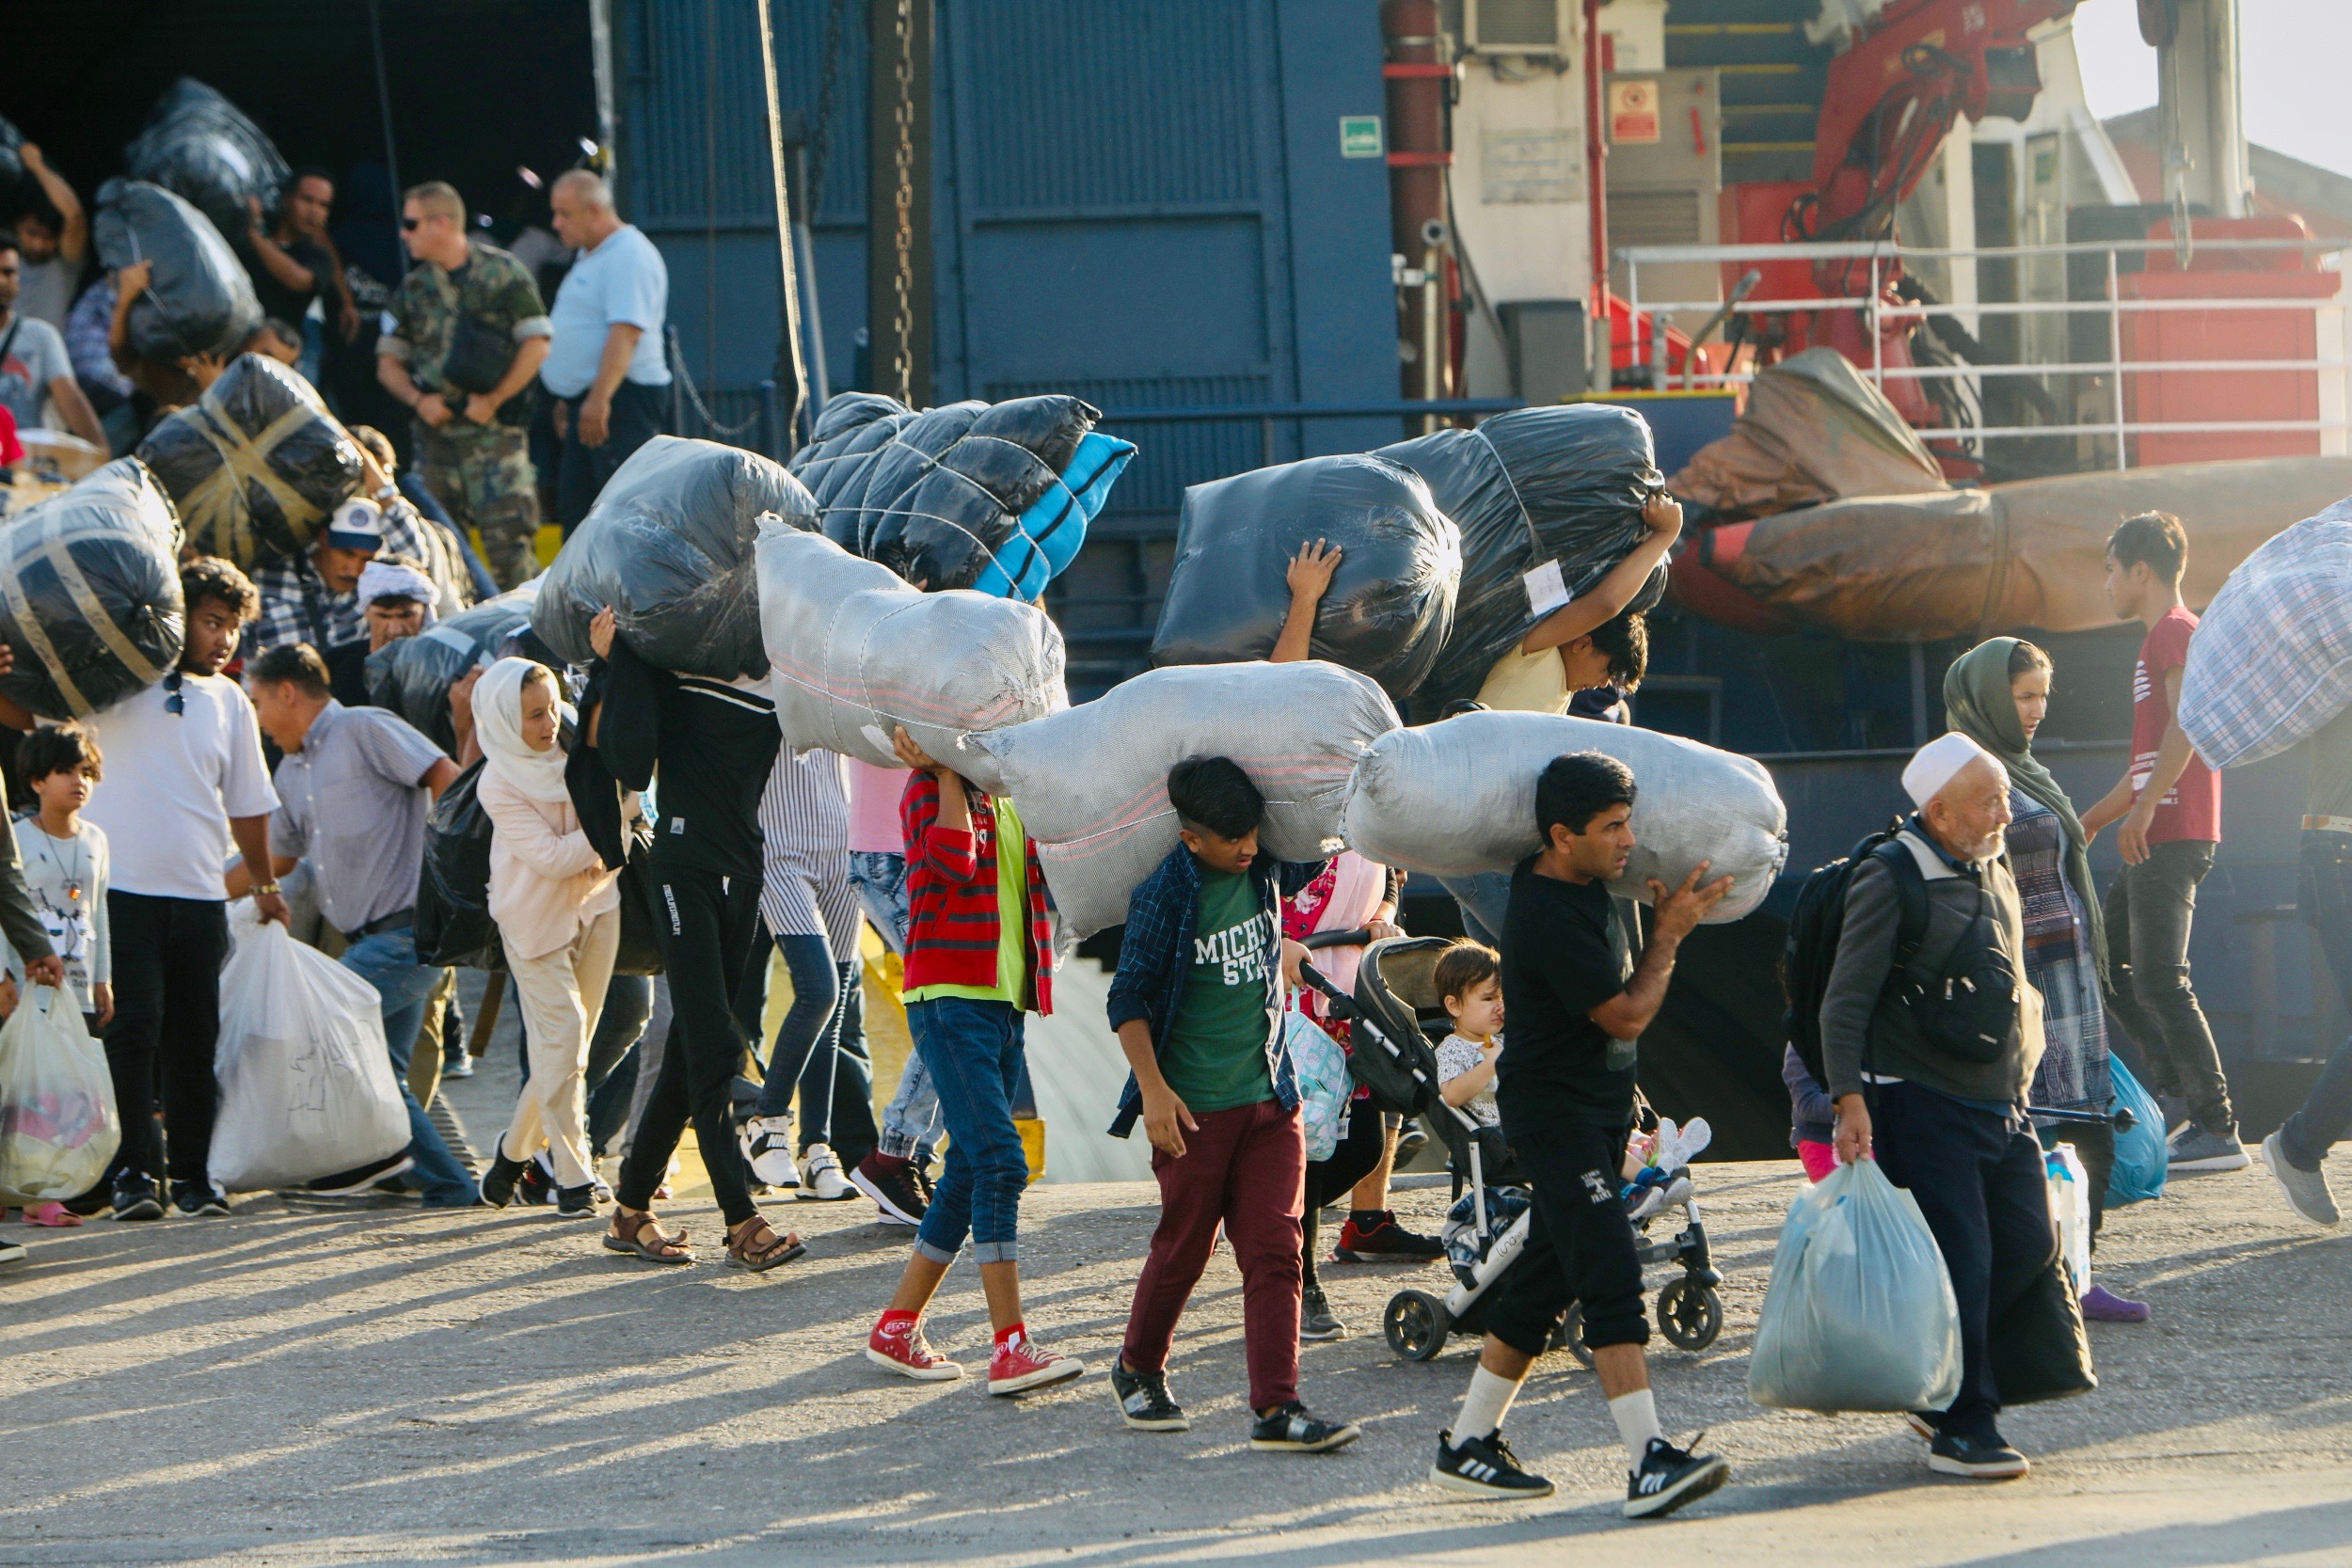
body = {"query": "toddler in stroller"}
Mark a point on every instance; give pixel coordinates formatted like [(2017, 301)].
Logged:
[(1395, 1010)]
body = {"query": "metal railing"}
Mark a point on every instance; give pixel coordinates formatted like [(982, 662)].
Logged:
[(1270, 417), (2331, 364)]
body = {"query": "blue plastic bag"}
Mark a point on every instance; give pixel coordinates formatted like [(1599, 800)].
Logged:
[(1324, 1088), (1052, 529), (1860, 1314), (2139, 1154)]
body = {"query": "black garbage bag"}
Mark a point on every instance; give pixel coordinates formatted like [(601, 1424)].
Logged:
[(668, 545), (197, 143), (1391, 603), (411, 677), (1566, 484), (199, 299), (452, 917), (256, 464), (2040, 1348), (11, 161), (935, 495), (89, 594)]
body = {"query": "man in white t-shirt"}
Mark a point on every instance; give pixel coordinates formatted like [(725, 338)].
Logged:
[(605, 366), (186, 787)]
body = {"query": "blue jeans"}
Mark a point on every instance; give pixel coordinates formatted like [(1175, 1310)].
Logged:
[(973, 1050), (387, 962), (2325, 900), (820, 1049), (911, 1121), (1483, 899)]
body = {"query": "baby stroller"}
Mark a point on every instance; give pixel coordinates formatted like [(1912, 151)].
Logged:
[(1393, 1012)]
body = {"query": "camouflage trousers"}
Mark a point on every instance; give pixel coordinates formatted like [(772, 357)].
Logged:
[(485, 479)]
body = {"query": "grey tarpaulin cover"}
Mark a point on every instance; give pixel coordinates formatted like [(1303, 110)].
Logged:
[(933, 496), (1092, 783), (89, 594), (1390, 605), (854, 652), (1565, 483), (256, 465), (2272, 658), (11, 161), (411, 677), (1459, 797), (1813, 431), (199, 299), (668, 545), (198, 144)]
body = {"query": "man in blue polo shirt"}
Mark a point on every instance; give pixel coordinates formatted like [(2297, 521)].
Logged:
[(606, 368)]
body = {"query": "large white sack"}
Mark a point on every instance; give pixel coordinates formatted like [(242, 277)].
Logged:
[(1091, 782), (2271, 662), (1459, 797), (853, 651), (306, 1085)]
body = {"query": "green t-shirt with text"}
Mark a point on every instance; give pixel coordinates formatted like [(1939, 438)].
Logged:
[(1214, 1054)]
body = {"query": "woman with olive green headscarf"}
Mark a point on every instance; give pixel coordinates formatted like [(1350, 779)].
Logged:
[(1997, 694)]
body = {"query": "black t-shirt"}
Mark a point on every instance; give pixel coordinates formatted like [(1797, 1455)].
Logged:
[(288, 305), (1564, 953)]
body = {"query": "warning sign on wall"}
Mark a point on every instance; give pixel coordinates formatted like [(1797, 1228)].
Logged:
[(1633, 111)]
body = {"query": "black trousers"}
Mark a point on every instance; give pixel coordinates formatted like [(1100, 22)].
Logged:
[(1981, 1184), (581, 472), (2149, 908), (1328, 1180), (708, 928), (1579, 1244), (167, 956)]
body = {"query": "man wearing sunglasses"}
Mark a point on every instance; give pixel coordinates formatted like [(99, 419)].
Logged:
[(468, 335)]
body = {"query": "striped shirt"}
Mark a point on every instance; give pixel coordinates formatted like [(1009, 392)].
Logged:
[(804, 832)]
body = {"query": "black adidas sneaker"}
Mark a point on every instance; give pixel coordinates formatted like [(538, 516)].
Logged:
[(1670, 1477), (1484, 1467)]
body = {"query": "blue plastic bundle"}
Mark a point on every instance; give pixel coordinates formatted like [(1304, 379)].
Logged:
[(2139, 1154)]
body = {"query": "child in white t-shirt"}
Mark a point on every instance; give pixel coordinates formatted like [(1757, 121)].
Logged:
[(1469, 980)]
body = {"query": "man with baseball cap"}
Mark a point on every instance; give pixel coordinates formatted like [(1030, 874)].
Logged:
[(314, 598), (1928, 1058)]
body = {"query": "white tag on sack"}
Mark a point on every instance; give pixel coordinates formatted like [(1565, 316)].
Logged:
[(880, 741), (1545, 589)]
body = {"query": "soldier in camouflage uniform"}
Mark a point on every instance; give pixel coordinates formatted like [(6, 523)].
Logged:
[(468, 335)]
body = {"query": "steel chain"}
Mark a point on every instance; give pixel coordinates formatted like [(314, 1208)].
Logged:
[(902, 201), (828, 92), (701, 409)]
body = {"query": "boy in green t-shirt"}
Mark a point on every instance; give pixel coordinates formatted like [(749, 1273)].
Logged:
[(1198, 1005)]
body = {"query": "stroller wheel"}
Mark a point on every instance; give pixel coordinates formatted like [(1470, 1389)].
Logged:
[(1570, 1336), (1416, 1324), (1690, 1314)]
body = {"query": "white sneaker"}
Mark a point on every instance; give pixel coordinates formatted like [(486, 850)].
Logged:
[(766, 1145), (821, 1178)]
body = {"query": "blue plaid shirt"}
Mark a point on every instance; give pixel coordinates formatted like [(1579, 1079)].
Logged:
[(2268, 665), (1155, 959)]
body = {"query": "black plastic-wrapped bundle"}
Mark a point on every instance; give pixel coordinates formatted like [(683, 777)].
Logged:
[(197, 143), (452, 917), (1391, 602), (668, 545), (256, 464), (934, 496), (1565, 483), (11, 161), (199, 299), (412, 677), (89, 594)]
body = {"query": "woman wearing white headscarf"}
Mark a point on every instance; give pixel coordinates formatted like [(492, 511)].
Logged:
[(558, 908)]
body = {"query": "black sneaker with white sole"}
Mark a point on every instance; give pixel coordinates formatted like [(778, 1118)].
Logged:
[(1670, 1477), (1316, 1321), (351, 1183), (1484, 1467), (135, 1197), (1144, 1401), (198, 1200), (1923, 1424), (1292, 1430), (1977, 1458)]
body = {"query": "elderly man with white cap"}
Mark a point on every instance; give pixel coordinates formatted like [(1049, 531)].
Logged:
[(1929, 1035)]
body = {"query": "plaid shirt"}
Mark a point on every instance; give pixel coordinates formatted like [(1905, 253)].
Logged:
[(1155, 959), (2271, 662), (296, 605)]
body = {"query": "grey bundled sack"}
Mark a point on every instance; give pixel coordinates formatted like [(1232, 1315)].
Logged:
[(1454, 799), (1091, 783), (201, 146), (89, 594), (199, 299), (11, 159), (256, 465), (1391, 604), (854, 652), (411, 677), (668, 545)]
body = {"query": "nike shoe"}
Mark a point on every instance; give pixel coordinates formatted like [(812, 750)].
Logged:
[(1384, 1240), (766, 1145), (821, 1178), (1484, 1467), (1670, 1478)]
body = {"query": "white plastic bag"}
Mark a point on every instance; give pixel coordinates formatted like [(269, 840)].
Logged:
[(1454, 799), (1091, 783), (306, 1083), (59, 1127), (1860, 1314), (2069, 1206), (1324, 1088), (854, 651)]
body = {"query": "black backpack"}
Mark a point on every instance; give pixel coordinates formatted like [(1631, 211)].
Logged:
[(1819, 917)]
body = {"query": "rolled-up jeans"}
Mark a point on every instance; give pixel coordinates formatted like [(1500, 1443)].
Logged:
[(2325, 898), (387, 962), (972, 1049)]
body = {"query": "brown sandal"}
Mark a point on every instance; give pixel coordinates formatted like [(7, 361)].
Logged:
[(640, 1236), (747, 1250)]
